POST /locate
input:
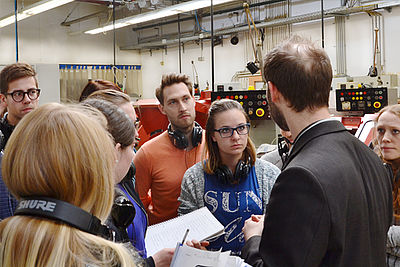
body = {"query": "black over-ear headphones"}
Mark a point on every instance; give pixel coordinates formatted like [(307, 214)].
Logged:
[(179, 139), (225, 175), (58, 210), (283, 147)]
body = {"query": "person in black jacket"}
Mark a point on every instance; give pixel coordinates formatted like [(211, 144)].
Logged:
[(332, 203)]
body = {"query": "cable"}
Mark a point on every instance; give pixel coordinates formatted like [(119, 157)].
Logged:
[(198, 23)]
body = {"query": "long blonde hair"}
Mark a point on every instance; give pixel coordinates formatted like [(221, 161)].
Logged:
[(60, 152)]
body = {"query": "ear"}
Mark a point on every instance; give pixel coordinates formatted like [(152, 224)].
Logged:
[(118, 150), (274, 92), (3, 99), (161, 109), (213, 137)]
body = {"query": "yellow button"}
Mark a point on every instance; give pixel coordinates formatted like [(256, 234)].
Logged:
[(260, 112), (241, 103), (357, 98), (377, 105), (236, 97), (353, 98), (361, 98)]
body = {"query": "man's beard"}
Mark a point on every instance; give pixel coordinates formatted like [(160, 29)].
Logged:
[(276, 114)]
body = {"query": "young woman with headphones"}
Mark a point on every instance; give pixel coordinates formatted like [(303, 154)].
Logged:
[(230, 181)]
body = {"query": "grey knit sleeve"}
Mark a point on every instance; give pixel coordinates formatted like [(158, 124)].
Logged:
[(192, 189), (266, 174)]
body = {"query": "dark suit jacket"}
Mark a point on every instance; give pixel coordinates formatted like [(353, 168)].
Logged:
[(330, 206)]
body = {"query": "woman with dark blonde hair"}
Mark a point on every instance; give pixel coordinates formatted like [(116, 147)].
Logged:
[(50, 156), (387, 146), (230, 181)]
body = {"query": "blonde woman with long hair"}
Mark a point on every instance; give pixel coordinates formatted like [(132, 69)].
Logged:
[(60, 153)]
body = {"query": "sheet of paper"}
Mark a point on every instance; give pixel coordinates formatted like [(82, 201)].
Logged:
[(201, 224)]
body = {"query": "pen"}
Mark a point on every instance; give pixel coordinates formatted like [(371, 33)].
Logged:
[(184, 237)]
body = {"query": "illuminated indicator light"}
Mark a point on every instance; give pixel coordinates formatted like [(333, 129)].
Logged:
[(231, 96), (218, 97), (236, 97), (353, 98), (341, 94), (377, 105), (356, 93), (241, 103), (361, 98), (227, 96), (260, 112), (365, 93), (241, 97), (357, 98), (381, 97), (264, 103), (353, 93), (245, 97)]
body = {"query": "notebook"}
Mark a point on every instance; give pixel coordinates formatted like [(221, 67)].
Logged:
[(201, 223)]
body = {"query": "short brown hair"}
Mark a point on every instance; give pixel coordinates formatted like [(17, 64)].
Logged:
[(14, 72), (97, 85), (301, 71), (212, 151), (116, 97), (170, 79)]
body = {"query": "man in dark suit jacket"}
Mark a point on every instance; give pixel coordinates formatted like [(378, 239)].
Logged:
[(332, 203)]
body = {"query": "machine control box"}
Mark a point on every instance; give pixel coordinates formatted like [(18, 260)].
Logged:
[(254, 102), (366, 100)]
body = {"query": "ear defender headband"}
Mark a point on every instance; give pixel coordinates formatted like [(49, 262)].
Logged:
[(179, 139), (58, 210), (225, 174)]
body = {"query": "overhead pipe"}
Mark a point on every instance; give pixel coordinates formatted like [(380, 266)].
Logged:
[(278, 22)]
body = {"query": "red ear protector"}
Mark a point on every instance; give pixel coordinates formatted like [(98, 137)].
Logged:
[(179, 139), (225, 175)]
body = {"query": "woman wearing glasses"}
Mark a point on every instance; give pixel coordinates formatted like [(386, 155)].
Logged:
[(231, 182)]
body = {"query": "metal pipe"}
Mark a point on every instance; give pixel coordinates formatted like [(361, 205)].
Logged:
[(278, 22), (16, 30), (205, 15), (69, 23)]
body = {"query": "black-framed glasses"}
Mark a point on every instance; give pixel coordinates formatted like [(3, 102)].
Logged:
[(19, 95), (226, 132)]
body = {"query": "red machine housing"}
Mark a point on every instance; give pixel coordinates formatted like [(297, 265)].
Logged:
[(153, 122)]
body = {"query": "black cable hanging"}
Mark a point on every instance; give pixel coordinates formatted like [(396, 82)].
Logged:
[(322, 23)]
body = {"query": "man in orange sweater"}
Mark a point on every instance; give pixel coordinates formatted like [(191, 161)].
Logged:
[(161, 162)]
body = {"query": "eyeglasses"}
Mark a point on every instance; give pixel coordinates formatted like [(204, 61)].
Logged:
[(226, 132), (19, 95)]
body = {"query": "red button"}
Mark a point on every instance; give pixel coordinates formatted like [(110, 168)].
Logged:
[(245, 97)]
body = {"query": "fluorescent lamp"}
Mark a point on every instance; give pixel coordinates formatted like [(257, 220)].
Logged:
[(161, 13), (34, 9)]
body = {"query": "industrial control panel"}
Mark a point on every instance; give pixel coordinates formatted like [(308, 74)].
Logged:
[(254, 102), (366, 100)]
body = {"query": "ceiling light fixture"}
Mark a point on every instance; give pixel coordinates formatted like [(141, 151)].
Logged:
[(34, 9), (161, 13)]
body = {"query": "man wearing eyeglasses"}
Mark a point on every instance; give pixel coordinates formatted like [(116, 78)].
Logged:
[(19, 91)]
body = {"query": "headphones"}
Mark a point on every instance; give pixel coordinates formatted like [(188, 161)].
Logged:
[(58, 210), (283, 147), (225, 175), (179, 139)]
